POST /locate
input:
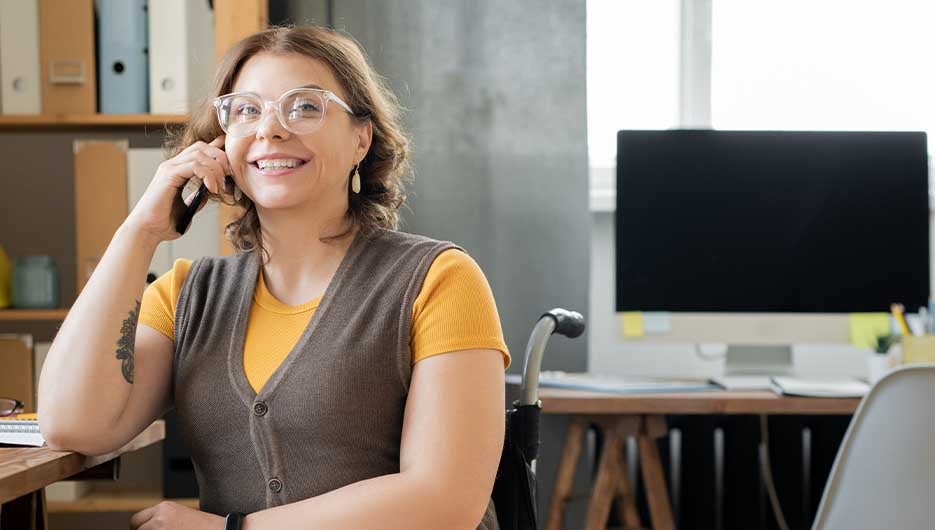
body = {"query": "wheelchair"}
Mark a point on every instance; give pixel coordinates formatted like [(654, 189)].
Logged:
[(514, 491)]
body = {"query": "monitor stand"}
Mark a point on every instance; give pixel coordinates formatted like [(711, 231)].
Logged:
[(750, 367), (758, 360)]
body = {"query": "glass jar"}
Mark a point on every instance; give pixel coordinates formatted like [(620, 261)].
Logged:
[(35, 282)]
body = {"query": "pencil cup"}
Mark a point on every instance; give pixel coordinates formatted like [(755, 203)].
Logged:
[(919, 349)]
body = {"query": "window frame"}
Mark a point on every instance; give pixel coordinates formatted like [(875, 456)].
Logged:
[(694, 102)]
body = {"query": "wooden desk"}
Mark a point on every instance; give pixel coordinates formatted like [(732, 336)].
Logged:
[(25, 471), (643, 416)]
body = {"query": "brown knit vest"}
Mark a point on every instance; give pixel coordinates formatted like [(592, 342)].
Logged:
[(332, 412)]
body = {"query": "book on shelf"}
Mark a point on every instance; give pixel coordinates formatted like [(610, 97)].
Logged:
[(21, 429)]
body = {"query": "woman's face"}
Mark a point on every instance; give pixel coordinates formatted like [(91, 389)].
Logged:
[(325, 157)]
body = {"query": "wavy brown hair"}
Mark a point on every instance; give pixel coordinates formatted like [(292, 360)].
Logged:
[(385, 169)]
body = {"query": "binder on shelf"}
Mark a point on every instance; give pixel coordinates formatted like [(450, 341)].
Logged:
[(19, 57), (66, 53), (123, 72), (40, 351), (181, 54), (100, 199), (16, 377), (142, 164)]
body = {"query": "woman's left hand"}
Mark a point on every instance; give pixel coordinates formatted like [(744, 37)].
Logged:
[(168, 515)]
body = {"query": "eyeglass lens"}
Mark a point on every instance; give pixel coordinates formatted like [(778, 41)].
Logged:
[(302, 111)]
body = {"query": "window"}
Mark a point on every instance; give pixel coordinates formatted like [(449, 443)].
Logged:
[(632, 74), (794, 65), (833, 64)]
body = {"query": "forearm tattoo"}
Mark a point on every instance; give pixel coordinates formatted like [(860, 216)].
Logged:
[(127, 341)]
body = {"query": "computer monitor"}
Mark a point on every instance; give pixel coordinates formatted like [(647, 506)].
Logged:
[(764, 239)]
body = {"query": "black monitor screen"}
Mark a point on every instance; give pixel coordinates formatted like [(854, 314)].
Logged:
[(765, 221)]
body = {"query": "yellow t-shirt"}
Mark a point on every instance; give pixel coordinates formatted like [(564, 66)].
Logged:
[(455, 310)]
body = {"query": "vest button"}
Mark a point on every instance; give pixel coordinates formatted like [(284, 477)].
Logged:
[(275, 485), (260, 408)]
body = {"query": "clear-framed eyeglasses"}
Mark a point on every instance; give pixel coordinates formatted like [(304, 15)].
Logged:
[(300, 110), (10, 406)]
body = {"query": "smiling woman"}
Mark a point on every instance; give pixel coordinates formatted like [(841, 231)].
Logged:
[(319, 160), (335, 372)]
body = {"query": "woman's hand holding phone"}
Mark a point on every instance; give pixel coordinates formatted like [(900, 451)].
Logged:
[(162, 204)]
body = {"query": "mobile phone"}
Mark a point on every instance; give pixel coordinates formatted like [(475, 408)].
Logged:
[(188, 213)]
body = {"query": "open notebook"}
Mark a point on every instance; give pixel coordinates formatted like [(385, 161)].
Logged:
[(21, 429), (823, 387)]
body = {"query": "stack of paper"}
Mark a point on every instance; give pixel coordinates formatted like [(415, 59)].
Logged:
[(743, 382), (21, 429)]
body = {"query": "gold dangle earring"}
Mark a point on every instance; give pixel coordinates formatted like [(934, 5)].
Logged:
[(355, 182)]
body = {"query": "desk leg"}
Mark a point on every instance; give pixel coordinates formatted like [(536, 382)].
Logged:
[(604, 487), (25, 513), (626, 496), (611, 477), (42, 515), (566, 474), (657, 496)]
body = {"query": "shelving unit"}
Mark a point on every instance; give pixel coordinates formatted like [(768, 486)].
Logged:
[(83, 121), (234, 19), (130, 501), (32, 314)]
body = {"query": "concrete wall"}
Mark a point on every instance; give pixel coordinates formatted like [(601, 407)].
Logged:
[(496, 99)]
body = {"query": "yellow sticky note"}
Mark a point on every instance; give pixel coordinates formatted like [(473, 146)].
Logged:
[(866, 327), (632, 323)]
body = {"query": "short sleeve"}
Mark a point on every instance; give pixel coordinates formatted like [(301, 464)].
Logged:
[(455, 310), (157, 309)]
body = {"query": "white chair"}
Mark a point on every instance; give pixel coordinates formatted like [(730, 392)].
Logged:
[(884, 474)]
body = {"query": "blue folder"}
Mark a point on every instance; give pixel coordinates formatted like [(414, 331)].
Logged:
[(122, 63)]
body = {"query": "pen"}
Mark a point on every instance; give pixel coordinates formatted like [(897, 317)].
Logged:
[(931, 328), (924, 320), (897, 310)]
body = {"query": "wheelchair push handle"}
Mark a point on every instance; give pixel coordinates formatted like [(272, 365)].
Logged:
[(567, 323), (558, 320)]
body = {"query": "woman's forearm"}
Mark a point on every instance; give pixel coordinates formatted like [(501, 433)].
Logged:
[(88, 372), (388, 502)]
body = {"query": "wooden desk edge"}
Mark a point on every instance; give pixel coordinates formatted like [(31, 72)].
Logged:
[(37, 467)]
